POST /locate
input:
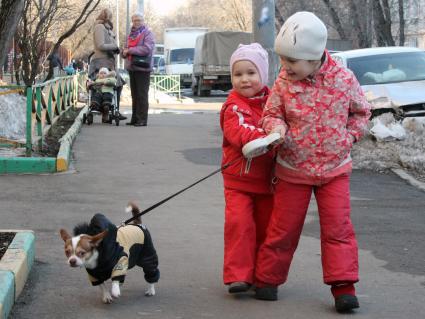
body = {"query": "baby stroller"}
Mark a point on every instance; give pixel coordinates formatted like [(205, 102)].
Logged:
[(92, 109)]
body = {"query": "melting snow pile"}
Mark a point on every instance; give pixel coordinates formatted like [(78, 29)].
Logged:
[(12, 116), (392, 144)]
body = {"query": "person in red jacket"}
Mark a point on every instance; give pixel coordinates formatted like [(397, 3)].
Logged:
[(319, 110), (247, 182)]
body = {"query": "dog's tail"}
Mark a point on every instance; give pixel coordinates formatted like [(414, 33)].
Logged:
[(134, 209)]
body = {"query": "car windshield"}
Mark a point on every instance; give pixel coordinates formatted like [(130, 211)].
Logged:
[(182, 56), (156, 60), (388, 68)]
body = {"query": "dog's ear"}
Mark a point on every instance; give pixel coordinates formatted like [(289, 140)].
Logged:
[(95, 240), (64, 234)]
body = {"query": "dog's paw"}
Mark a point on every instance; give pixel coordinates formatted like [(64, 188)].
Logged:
[(106, 298), (115, 290), (150, 291)]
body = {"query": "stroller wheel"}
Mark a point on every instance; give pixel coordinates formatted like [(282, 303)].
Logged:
[(90, 119), (117, 121), (84, 118)]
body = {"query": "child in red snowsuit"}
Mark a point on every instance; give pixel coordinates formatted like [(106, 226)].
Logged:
[(247, 183), (319, 110)]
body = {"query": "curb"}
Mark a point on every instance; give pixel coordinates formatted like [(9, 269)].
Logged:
[(66, 141), (410, 179), (15, 267)]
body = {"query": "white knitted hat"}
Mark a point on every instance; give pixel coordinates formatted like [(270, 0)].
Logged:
[(303, 36), (104, 70)]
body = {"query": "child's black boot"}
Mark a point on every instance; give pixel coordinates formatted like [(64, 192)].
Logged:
[(346, 303), (266, 292), (239, 286), (345, 297)]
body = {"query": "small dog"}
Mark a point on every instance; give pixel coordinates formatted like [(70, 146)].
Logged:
[(106, 252)]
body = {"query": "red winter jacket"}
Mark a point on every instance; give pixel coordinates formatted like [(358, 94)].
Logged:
[(239, 120)]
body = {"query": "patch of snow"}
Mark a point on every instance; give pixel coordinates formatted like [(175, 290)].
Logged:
[(387, 132), (381, 154), (12, 116)]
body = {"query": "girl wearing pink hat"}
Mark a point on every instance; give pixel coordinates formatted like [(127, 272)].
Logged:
[(247, 187)]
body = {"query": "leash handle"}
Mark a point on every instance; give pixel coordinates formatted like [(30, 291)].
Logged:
[(179, 192)]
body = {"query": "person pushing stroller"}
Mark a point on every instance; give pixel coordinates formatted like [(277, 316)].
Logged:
[(103, 92)]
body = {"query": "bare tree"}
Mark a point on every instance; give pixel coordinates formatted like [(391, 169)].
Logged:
[(382, 23), (42, 20), (358, 12), (222, 15), (36, 21), (10, 12), (402, 22), (280, 20), (335, 19), (239, 11), (86, 11)]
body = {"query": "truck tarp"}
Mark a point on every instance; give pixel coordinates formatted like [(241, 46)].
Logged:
[(216, 48)]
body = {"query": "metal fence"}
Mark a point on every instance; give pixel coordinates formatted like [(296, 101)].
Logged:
[(169, 84), (46, 102)]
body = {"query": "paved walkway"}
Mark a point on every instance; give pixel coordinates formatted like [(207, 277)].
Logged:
[(116, 164)]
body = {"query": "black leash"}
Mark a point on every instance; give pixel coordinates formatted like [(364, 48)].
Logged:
[(179, 192)]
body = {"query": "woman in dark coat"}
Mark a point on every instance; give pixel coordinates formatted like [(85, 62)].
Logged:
[(140, 43), (105, 49)]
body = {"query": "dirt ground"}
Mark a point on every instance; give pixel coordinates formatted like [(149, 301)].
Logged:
[(51, 142), (5, 240)]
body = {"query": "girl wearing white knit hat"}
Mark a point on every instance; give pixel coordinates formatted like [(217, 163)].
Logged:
[(319, 110)]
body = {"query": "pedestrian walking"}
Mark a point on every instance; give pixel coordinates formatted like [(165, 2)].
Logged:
[(55, 63), (138, 53), (319, 110), (247, 183)]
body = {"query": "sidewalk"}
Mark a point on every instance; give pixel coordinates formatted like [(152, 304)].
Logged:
[(116, 164), (164, 101)]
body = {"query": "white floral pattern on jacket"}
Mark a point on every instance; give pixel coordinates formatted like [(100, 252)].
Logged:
[(323, 116)]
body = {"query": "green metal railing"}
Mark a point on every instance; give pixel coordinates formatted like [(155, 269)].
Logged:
[(46, 102), (167, 84)]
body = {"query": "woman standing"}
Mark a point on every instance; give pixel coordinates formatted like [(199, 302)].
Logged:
[(105, 49), (104, 42), (140, 45)]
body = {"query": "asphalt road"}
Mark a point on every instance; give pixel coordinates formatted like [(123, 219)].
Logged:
[(115, 164)]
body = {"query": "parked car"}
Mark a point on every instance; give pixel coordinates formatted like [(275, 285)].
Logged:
[(392, 78), (158, 64)]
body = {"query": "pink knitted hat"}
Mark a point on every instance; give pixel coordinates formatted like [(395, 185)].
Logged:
[(254, 53)]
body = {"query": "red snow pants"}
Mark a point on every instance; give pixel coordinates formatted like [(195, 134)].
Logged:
[(246, 218), (338, 242)]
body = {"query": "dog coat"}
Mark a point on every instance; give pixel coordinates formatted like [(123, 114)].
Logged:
[(122, 249)]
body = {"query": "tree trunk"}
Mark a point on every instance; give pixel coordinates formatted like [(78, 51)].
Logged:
[(402, 22), (10, 13), (359, 28), (335, 19), (382, 23), (278, 16)]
